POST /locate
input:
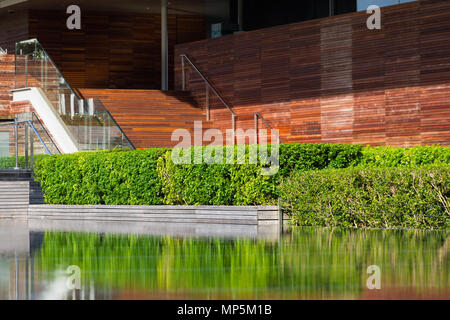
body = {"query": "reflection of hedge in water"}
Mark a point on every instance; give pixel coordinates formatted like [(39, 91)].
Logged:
[(312, 260)]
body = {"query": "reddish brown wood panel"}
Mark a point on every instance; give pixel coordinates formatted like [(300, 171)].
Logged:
[(334, 80), (149, 117), (13, 28), (112, 50), (7, 83)]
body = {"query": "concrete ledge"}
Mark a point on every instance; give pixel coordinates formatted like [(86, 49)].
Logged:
[(230, 215)]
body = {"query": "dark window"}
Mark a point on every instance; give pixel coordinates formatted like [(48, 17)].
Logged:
[(260, 14)]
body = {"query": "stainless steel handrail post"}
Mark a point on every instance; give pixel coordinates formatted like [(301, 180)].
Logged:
[(258, 115), (32, 152), (39, 137), (233, 120), (210, 87), (256, 128), (26, 145), (16, 144), (207, 103), (183, 75)]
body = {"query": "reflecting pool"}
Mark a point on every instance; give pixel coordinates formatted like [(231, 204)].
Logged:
[(306, 263)]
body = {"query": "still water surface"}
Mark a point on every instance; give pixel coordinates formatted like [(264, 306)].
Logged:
[(302, 264)]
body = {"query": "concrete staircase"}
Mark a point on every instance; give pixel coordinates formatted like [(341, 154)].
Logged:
[(17, 191), (148, 117)]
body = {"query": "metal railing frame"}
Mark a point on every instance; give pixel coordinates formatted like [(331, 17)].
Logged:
[(28, 124), (209, 87), (258, 116)]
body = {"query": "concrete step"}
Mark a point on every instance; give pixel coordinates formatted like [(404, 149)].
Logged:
[(18, 187)]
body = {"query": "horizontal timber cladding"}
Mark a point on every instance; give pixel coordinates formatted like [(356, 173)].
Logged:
[(333, 80), (112, 50), (7, 83), (149, 117)]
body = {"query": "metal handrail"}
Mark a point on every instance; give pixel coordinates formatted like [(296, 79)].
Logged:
[(15, 123), (209, 86), (258, 115), (30, 123), (38, 135), (207, 82)]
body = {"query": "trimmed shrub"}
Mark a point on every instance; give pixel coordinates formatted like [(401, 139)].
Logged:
[(243, 184), (10, 162), (304, 157), (375, 198), (106, 177), (404, 157), (149, 177), (215, 184)]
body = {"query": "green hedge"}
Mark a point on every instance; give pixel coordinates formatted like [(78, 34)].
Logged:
[(243, 184), (150, 177), (214, 184), (10, 162), (375, 198), (111, 178), (404, 157)]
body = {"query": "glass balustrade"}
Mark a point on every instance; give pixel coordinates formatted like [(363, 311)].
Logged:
[(88, 121)]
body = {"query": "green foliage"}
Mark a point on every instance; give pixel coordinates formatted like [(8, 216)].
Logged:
[(243, 184), (399, 157), (320, 196), (375, 198), (10, 162), (215, 184), (106, 177), (304, 157)]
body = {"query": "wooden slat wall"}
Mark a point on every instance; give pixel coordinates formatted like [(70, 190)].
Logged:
[(112, 50), (13, 28), (6, 83), (333, 80), (148, 117)]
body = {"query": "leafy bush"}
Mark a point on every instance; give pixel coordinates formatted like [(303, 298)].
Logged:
[(399, 157), (304, 157), (215, 184), (149, 177), (10, 162), (111, 178), (243, 184), (376, 198)]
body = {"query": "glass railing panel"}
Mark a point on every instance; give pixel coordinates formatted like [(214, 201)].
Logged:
[(89, 123)]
